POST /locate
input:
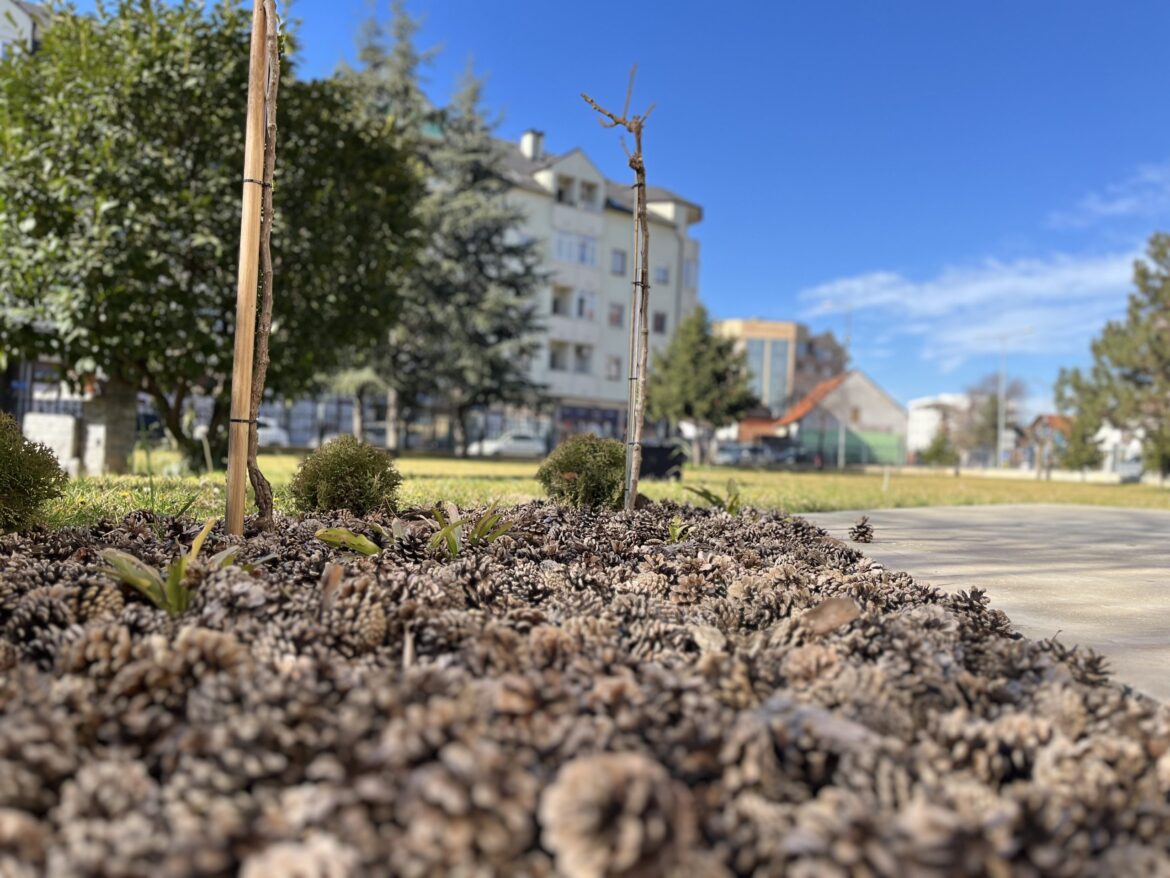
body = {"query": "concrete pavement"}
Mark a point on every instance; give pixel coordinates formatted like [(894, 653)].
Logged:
[(1099, 576)]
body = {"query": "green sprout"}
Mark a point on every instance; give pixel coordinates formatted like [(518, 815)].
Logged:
[(166, 591)]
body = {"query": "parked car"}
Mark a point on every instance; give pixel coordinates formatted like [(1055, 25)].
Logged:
[(508, 445), (790, 455), (267, 435), (727, 454)]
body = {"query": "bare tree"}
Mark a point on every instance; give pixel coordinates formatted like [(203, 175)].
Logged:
[(260, 485), (640, 289)]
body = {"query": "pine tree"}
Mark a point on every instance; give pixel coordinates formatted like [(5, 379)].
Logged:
[(482, 274), (1129, 383), (701, 378), (940, 451), (467, 322)]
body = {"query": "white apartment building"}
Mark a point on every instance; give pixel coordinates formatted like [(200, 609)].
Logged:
[(21, 24), (585, 223)]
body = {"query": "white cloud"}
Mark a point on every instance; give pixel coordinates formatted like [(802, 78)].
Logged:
[(965, 311), (1144, 193)]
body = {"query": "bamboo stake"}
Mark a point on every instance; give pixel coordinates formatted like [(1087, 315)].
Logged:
[(260, 485), (249, 269)]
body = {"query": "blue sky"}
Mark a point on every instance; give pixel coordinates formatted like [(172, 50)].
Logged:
[(948, 172)]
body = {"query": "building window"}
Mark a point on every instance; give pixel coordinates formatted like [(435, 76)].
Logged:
[(582, 359), (755, 364), (584, 308), (777, 375), (662, 275), (691, 274), (565, 190), (617, 315), (586, 250), (579, 249), (589, 195), (660, 322), (558, 356), (562, 301), (617, 262), (613, 368)]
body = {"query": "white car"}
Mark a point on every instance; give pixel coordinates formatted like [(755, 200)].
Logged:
[(508, 445), (267, 435)]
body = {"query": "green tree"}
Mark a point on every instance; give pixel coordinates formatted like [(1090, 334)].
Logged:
[(1128, 384), (119, 208), (468, 326), (979, 428), (1081, 450), (940, 451), (701, 378)]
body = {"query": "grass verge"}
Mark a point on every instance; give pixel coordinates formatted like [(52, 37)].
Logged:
[(475, 482)]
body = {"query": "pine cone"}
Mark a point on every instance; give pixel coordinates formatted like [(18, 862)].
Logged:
[(102, 601), (862, 532)]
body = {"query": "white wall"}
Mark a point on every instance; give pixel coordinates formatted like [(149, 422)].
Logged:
[(925, 418), (865, 407), (16, 27), (669, 248)]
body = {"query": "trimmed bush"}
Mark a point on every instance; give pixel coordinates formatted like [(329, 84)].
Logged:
[(29, 476), (346, 474), (585, 470)]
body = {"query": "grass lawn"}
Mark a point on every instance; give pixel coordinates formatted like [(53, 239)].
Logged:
[(470, 482)]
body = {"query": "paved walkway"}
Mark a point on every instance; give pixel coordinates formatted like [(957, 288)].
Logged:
[(1101, 577)]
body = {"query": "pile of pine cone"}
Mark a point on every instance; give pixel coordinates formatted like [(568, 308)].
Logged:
[(581, 697)]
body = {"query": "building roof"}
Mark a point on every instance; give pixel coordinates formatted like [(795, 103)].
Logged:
[(521, 170), (815, 397), (34, 10), (1059, 423)]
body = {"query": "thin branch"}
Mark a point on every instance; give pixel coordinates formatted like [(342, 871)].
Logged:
[(639, 347)]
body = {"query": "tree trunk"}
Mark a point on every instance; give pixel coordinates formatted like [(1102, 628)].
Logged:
[(392, 420), (358, 416), (459, 424)]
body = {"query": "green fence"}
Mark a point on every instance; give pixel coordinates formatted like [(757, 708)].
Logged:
[(861, 447)]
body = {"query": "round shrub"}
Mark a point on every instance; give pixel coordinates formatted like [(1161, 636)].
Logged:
[(346, 474), (29, 476), (585, 470)]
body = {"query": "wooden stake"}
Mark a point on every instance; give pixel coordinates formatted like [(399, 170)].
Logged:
[(249, 270)]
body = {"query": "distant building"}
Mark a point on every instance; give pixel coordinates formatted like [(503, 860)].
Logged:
[(786, 361), (21, 24), (585, 223), (847, 415), (928, 414)]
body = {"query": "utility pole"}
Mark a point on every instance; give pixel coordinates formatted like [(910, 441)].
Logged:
[(842, 426), (1001, 396)]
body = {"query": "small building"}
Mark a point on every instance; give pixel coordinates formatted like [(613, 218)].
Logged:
[(847, 416), (930, 414), (785, 359)]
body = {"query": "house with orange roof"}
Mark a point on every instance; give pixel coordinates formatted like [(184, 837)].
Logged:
[(845, 419)]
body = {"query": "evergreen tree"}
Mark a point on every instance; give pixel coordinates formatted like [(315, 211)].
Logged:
[(1081, 450), (701, 378), (1129, 382), (468, 325), (940, 451)]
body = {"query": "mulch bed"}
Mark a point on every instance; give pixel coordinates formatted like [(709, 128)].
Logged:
[(581, 697)]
